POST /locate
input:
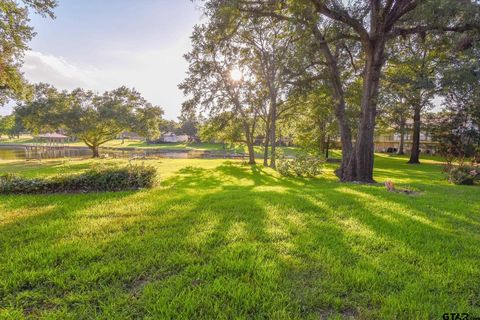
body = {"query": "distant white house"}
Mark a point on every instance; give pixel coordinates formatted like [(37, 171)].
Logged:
[(173, 138)]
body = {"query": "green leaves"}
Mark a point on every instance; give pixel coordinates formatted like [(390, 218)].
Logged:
[(15, 33), (94, 118)]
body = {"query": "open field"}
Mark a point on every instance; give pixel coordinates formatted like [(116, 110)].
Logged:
[(218, 239)]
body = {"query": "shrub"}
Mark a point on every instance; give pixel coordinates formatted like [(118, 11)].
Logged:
[(304, 165), (463, 174), (132, 177)]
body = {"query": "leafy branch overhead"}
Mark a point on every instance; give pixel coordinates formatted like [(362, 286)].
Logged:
[(15, 34)]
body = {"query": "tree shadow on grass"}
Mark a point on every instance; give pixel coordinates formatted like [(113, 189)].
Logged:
[(241, 241), (404, 249), (340, 257), (423, 253)]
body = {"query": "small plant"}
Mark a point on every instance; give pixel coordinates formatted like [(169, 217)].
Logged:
[(462, 174), (132, 177), (390, 185), (304, 165)]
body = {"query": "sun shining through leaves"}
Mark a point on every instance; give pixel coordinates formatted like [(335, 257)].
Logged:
[(236, 74)]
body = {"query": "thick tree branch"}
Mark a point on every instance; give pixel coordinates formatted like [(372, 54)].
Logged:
[(399, 9), (432, 28), (343, 16)]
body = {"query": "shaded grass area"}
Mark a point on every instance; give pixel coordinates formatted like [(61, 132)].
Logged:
[(224, 240)]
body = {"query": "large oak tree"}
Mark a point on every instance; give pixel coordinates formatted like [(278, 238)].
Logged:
[(371, 24)]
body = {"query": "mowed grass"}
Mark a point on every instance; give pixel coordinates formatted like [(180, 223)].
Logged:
[(223, 240)]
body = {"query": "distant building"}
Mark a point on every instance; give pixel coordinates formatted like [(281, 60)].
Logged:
[(52, 138), (170, 137), (285, 141), (390, 142)]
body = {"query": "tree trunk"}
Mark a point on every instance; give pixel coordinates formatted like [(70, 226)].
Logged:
[(327, 147), (251, 153), (95, 151), (273, 137), (266, 145), (360, 166), (249, 140), (415, 154), (322, 138), (265, 151), (401, 147), (339, 104)]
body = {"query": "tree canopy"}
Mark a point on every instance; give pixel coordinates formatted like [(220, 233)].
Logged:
[(15, 34), (349, 44), (93, 118)]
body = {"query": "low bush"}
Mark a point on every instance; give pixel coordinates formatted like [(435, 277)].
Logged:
[(304, 165), (132, 177), (466, 175)]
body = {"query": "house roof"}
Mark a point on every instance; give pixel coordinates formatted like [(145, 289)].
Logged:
[(52, 136)]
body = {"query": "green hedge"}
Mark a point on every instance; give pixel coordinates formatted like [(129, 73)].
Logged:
[(132, 177)]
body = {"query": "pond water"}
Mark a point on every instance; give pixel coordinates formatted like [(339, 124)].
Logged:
[(30, 153)]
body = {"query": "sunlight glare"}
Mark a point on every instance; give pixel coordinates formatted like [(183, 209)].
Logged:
[(236, 74)]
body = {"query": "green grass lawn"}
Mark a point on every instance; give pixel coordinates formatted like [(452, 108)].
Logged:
[(222, 240), (23, 139)]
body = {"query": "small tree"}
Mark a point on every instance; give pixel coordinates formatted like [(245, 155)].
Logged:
[(7, 125), (224, 128), (216, 85), (147, 122), (457, 135), (458, 127), (189, 123), (313, 125)]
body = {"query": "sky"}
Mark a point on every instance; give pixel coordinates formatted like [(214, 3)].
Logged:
[(103, 44)]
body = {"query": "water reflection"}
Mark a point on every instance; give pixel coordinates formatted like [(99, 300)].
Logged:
[(31, 153)]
